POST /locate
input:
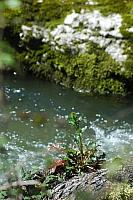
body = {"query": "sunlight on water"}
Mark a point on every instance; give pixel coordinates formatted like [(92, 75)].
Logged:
[(116, 138), (35, 116)]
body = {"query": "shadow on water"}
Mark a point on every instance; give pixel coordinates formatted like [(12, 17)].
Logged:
[(33, 113)]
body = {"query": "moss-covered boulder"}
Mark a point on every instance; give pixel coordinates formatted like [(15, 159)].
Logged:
[(81, 44)]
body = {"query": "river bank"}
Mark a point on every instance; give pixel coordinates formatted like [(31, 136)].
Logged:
[(82, 45)]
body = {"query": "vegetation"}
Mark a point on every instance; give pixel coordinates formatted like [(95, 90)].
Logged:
[(81, 158), (6, 52), (94, 71), (121, 191), (76, 160), (125, 8), (80, 71)]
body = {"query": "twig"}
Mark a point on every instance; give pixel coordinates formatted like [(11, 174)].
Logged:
[(19, 183)]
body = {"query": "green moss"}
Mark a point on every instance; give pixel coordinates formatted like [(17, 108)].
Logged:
[(120, 191), (114, 6), (93, 71), (48, 13), (125, 9)]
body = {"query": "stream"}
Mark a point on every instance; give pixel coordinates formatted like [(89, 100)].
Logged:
[(34, 116)]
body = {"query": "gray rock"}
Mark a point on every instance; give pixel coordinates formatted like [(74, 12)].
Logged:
[(94, 181), (84, 27), (70, 19)]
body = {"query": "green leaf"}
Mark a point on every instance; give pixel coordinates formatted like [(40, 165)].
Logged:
[(73, 119)]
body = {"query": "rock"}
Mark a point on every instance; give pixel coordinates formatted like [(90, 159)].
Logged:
[(67, 34), (80, 42), (90, 2), (70, 19), (130, 30), (98, 184), (85, 182)]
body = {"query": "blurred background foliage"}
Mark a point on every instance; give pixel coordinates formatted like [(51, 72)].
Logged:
[(6, 52), (7, 60)]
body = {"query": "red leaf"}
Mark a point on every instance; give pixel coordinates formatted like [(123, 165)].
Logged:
[(57, 164)]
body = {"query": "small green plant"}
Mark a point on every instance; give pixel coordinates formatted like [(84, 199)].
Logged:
[(78, 159), (3, 195), (74, 121), (83, 157), (36, 184)]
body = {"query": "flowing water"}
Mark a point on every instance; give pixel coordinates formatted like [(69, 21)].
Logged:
[(35, 116)]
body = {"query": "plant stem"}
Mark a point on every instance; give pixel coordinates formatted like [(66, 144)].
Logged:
[(80, 143)]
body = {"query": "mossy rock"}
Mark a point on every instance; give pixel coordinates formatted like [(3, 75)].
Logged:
[(94, 71)]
